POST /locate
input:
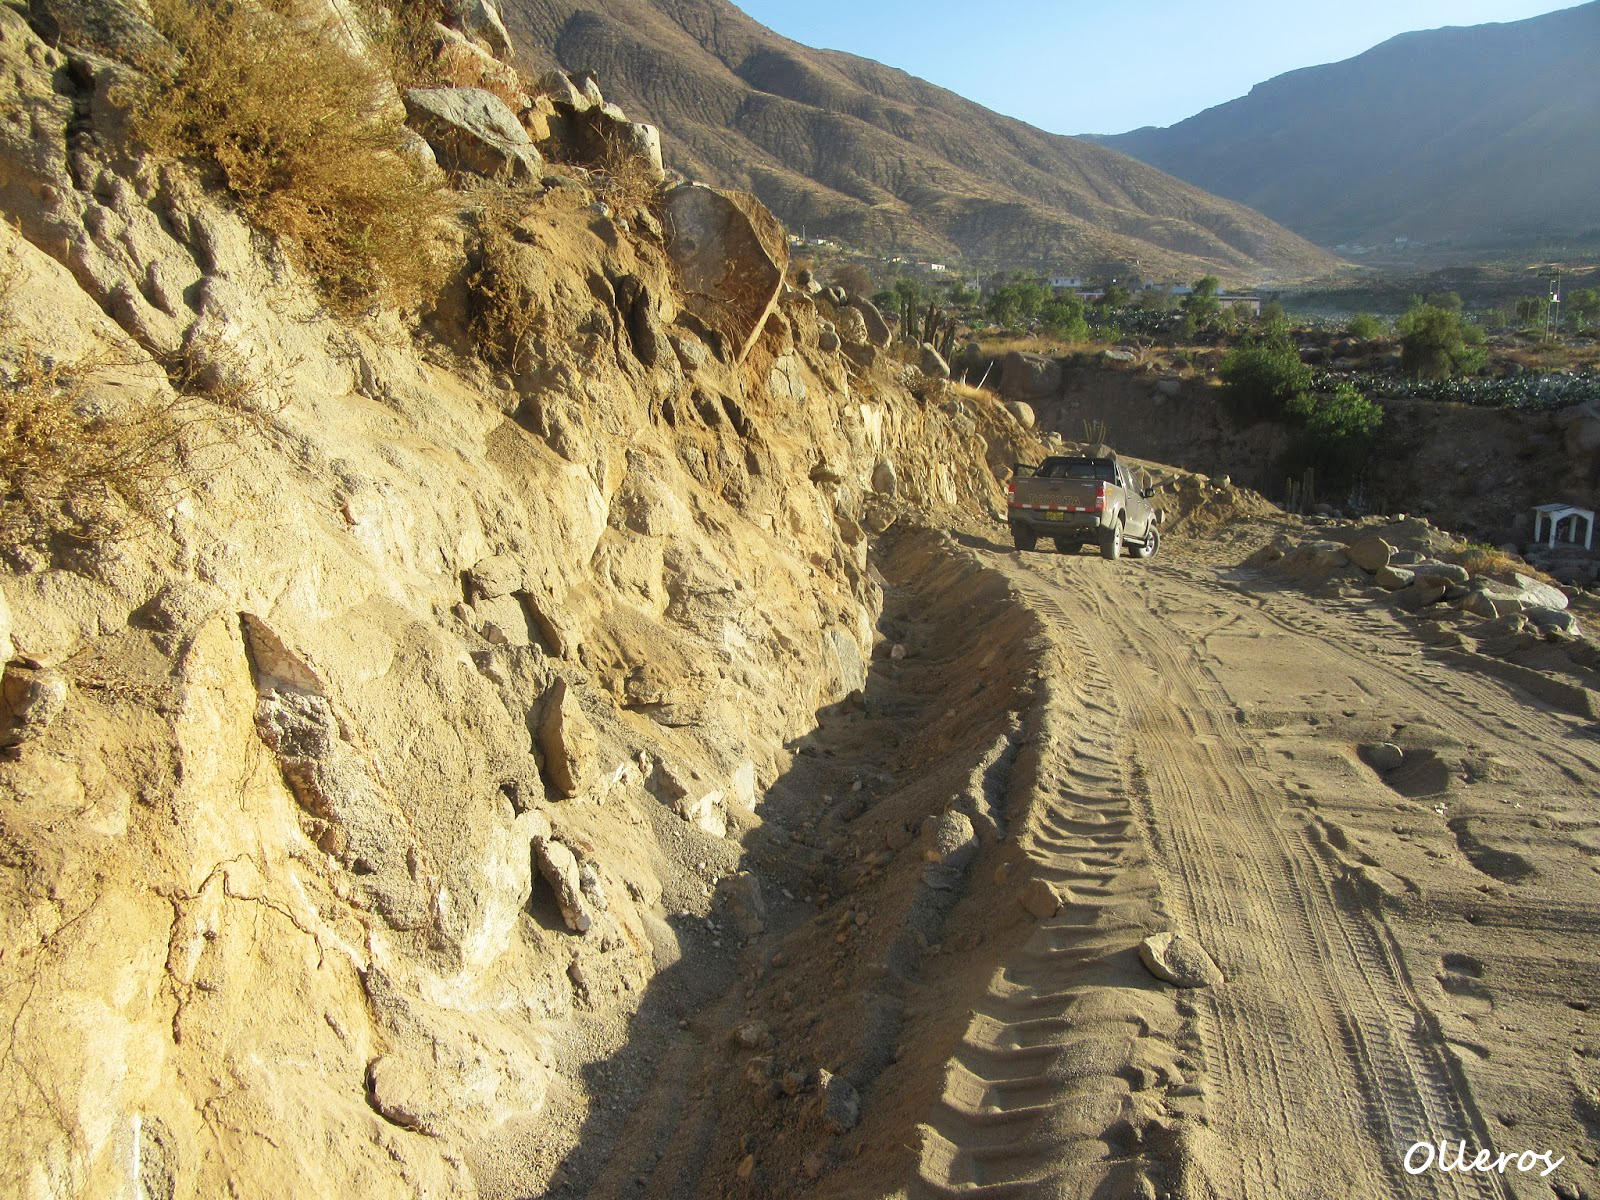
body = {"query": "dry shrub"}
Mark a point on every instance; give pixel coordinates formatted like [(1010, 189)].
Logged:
[(1496, 564), (272, 98), (978, 395), (624, 181), (68, 465), (209, 367), (505, 311)]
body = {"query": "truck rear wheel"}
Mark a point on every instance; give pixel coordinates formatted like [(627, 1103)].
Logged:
[(1111, 542), (1023, 539)]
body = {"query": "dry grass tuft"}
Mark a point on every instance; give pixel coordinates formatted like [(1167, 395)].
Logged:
[(1486, 560), (293, 121), (505, 311), (623, 179), (68, 463)]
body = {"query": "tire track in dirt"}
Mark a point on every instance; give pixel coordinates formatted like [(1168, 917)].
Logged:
[(1318, 1038), (1057, 1088)]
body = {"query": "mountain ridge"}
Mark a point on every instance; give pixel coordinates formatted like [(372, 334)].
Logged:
[(847, 147), (1407, 141)]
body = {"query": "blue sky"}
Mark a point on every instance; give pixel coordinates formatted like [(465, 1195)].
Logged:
[(1079, 67)]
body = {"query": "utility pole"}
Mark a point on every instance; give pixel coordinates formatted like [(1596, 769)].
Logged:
[(1552, 314)]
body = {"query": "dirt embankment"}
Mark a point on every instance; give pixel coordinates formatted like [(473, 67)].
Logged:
[(351, 791), (1480, 471)]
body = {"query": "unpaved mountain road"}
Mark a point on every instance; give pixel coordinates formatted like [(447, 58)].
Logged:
[(1410, 958)]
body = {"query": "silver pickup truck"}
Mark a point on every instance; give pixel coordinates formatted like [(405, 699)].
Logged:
[(1078, 501)]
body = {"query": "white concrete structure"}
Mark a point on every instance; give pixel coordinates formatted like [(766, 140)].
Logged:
[(1549, 518)]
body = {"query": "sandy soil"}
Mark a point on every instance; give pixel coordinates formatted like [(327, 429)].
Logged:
[(1411, 956)]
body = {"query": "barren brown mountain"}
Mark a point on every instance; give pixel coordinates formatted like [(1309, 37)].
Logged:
[(847, 147)]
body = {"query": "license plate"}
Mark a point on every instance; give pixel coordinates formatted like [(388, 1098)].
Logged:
[(1055, 516)]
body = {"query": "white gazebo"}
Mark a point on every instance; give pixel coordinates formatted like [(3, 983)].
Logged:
[(1549, 519)]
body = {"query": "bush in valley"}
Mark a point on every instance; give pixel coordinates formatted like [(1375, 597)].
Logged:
[(1262, 375), (1365, 327), (1019, 299), (291, 120), (1334, 430), (1436, 342), (1583, 309)]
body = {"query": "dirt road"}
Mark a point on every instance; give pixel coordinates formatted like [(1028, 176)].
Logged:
[(1410, 957)]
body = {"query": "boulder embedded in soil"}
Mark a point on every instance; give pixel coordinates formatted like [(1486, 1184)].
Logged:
[(1179, 960), (568, 742), (470, 129)]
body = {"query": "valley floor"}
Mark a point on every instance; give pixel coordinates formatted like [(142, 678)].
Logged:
[(1410, 957)]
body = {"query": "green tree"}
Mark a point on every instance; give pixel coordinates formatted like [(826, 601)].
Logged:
[(1583, 308), (963, 295), (1436, 343), (1262, 376), (1201, 309), (1272, 313), (1335, 430), (1063, 316), (1115, 296), (1019, 299), (1365, 326)]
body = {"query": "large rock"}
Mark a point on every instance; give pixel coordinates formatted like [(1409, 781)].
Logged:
[(1394, 578), (1312, 564), (952, 841), (559, 866), (30, 699), (1179, 960), (852, 327), (932, 363), (470, 129), (1438, 572), (1371, 554), (841, 1103), (482, 20), (497, 575), (731, 255), (1553, 618), (1022, 412), (878, 332), (1029, 376), (1042, 899), (1536, 594), (567, 740), (1419, 595)]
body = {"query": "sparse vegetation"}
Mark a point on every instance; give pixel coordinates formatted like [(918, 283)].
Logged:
[(271, 98), (69, 464)]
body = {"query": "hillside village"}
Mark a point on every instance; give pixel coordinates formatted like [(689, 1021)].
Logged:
[(517, 680)]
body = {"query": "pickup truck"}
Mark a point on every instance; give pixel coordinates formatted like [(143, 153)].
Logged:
[(1076, 501)]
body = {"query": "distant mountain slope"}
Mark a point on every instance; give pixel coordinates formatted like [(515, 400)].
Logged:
[(1489, 133), (846, 147)]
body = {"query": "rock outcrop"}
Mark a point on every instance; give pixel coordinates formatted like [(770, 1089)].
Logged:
[(327, 805)]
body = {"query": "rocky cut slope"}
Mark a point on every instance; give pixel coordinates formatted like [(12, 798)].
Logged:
[(856, 150), (1483, 134), (360, 787)]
